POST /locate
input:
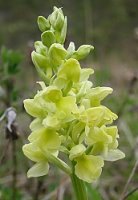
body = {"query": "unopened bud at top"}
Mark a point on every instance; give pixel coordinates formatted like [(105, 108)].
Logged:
[(43, 23), (57, 18)]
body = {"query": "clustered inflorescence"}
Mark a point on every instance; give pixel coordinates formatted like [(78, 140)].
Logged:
[(69, 117)]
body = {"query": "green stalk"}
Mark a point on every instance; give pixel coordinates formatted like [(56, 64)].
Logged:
[(79, 188), (61, 164)]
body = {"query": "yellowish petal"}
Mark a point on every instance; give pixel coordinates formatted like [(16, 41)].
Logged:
[(88, 167), (39, 169)]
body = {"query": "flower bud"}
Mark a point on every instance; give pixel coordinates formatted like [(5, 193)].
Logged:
[(63, 31), (82, 52), (48, 38), (39, 60), (57, 54), (59, 21), (43, 23), (70, 49), (42, 66), (57, 18), (40, 48)]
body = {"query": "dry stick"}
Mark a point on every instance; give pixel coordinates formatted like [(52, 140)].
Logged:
[(14, 174), (131, 192), (4, 152), (12, 135), (60, 193), (21, 178), (38, 189), (61, 189), (131, 85), (128, 181), (54, 193)]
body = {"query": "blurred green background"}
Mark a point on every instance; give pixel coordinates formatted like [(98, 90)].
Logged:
[(112, 27)]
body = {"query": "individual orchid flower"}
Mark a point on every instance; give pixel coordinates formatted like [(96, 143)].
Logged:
[(40, 141), (87, 167), (108, 150)]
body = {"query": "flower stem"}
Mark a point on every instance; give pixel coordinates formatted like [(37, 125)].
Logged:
[(61, 164), (79, 188)]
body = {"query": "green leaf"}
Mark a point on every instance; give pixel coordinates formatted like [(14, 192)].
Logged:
[(14, 94), (11, 59), (6, 193), (133, 196), (93, 192)]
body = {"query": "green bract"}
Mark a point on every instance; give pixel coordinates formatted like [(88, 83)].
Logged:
[(68, 111)]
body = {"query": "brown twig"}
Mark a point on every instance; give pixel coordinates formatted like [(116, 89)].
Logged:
[(128, 181), (14, 173), (130, 193), (38, 189), (12, 136), (6, 146), (55, 192)]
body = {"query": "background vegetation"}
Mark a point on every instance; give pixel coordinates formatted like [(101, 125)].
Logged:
[(111, 26)]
